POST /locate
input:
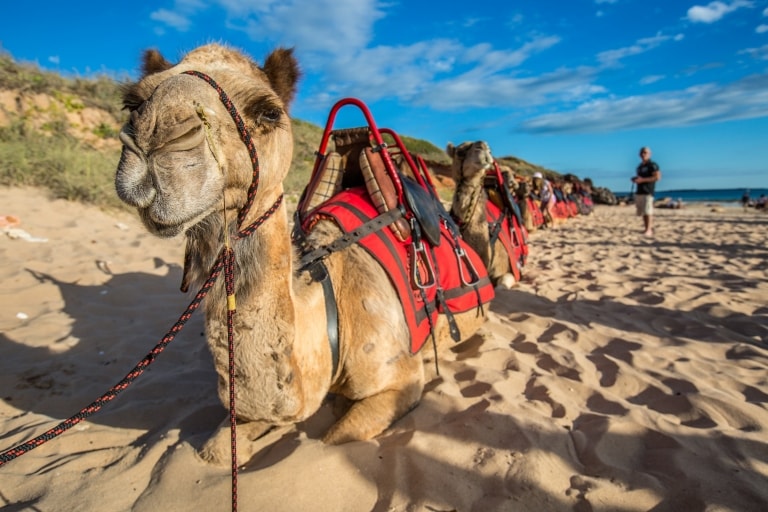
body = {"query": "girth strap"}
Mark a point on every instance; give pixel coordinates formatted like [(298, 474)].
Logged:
[(319, 273)]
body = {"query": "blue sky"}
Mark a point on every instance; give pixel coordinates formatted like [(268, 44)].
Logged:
[(573, 85)]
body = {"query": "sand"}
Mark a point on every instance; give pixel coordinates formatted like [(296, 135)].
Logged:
[(622, 374)]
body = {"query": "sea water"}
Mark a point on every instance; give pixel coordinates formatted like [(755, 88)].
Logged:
[(732, 195)]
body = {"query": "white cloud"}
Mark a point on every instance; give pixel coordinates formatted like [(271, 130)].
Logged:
[(54, 59), (172, 19), (714, 11), (505, 90), (309, 26), (651, 79), (765, 11), (612, 57), (761, 29), (419, 72), (758, 53), (470, 22), (515, 21), (702, 104), (178, 18), (337, 51)]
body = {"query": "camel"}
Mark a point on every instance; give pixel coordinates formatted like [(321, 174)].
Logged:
[(187, 172), (523, 196), (470, 163)]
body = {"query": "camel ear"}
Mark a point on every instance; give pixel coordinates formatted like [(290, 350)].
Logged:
[(154, 62), (283, 72), (450, 149)]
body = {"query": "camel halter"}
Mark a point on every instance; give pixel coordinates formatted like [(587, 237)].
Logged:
[(245, 136), (226, 262)]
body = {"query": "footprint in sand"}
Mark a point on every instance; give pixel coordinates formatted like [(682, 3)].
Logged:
[(547, 362), (618, 349), (476, 388), (540, 393), (647, 298), (555, 331), (675, 403), (579, 488), (468, 349), (526, 347), (754, 395), (598, 403)]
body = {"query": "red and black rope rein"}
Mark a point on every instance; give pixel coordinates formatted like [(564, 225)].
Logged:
[(229, 284), (118, 388)]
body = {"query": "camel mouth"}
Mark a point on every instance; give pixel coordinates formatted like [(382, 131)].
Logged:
[(164, 226), (166, 229)]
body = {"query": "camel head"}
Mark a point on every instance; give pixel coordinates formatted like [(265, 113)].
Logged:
[(523, 188), (512, 182), (470, 160), (183, 157)]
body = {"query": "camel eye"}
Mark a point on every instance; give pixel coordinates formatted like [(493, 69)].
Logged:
[(132, 103), (271, 115), (132, 97)]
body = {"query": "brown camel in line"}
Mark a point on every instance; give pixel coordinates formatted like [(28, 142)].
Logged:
[(470, 162), (186, 170)]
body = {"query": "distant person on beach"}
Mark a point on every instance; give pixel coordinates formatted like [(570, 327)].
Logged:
[(547, 196), (647, 175), (762, 202), (745, 200)]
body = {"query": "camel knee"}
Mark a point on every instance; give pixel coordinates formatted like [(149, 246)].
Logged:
[(507, 281)]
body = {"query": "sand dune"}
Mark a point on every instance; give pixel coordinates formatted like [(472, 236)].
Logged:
[(623, 374)]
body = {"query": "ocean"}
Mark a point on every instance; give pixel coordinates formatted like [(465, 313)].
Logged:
[(731, 195)]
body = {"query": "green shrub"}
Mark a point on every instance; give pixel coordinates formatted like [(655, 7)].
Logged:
[(105, 131), (60, 163)]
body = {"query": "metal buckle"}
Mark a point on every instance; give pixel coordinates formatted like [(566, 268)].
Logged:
[(419, 257)]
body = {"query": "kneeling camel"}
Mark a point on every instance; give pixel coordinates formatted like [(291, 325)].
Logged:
[(187, 171)]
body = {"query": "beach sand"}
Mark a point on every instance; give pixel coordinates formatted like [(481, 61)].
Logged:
[(622, 374)]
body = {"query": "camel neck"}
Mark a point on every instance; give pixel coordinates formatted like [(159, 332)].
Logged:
[(466, 200)]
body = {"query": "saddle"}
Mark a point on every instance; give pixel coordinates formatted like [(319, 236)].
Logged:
[(339, 170), (384, 202), (504, 217)]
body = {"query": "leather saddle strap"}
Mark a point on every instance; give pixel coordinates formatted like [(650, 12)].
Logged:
[(319, 273), (350, 238)]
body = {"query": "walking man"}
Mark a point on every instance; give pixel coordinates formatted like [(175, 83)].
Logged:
[(648, 174)]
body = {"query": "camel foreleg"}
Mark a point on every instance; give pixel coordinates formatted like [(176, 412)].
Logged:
[(370, 416), (218, 449)]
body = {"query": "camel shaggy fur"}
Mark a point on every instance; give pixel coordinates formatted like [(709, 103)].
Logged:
[(470, 162), (186, 170)]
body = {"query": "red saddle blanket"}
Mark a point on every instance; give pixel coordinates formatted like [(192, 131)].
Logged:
[(351, 208), (510, 235)]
